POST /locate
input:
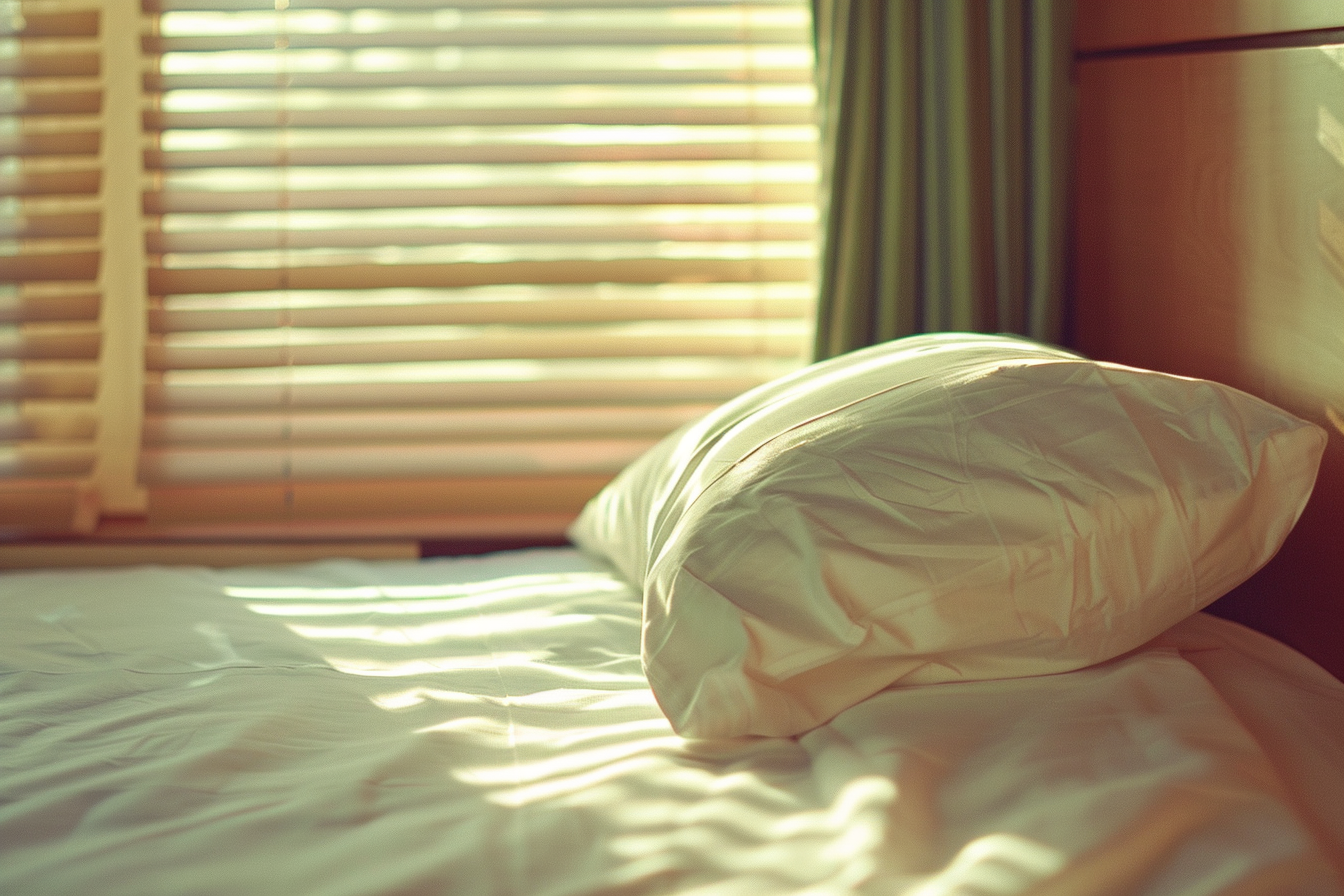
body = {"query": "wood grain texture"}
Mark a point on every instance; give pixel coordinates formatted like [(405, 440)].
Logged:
[(1210, 191), (1117, 24)]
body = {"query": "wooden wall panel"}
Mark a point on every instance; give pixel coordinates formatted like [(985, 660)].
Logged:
[(1210, 242), (1112, 24)]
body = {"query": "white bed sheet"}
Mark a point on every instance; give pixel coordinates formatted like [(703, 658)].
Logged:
[(481, 725)]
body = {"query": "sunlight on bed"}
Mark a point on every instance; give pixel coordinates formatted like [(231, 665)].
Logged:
[(454, 596), (533, 685), (435, 632), (562, 698), (829, 846), (469, 615), (994, 864)]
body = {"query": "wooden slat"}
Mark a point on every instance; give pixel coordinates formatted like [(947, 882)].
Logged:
[(369, 502), (165, 281), (508, 304), (54, 506)]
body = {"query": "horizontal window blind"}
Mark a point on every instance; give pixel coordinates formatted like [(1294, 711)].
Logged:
[(416, 268)]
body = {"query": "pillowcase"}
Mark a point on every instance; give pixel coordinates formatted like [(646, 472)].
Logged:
[(936, 508)]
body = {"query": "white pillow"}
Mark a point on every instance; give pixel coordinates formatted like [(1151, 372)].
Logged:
[(940, 507)]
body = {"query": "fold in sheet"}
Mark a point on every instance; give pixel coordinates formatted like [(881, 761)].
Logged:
[(482, 725)]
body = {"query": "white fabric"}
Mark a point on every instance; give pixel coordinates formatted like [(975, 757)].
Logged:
[(481, 726), (941, 507)]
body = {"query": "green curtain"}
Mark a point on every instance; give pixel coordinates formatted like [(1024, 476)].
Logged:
[(944, 167)]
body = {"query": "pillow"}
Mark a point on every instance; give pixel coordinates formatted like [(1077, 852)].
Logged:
[(936, 508)]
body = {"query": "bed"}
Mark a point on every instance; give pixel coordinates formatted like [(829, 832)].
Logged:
[(1018, 693)]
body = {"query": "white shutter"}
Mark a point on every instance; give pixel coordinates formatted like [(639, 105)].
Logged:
[(71, 265)]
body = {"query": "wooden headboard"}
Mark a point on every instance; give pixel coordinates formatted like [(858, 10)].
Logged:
[(1209, 238)]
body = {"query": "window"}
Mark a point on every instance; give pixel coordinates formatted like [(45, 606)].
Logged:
[(335, 269)]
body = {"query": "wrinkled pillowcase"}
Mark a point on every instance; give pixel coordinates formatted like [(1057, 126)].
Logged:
[(937, 508)]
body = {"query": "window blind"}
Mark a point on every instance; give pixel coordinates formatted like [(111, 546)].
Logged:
[(416, 269)]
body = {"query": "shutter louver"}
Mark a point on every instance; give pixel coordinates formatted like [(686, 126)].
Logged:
[(416, 265), (50, 297)]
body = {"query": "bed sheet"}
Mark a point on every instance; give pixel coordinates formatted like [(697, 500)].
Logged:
[(482, 725)]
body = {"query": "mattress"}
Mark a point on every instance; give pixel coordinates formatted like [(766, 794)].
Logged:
[(483, 725)]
